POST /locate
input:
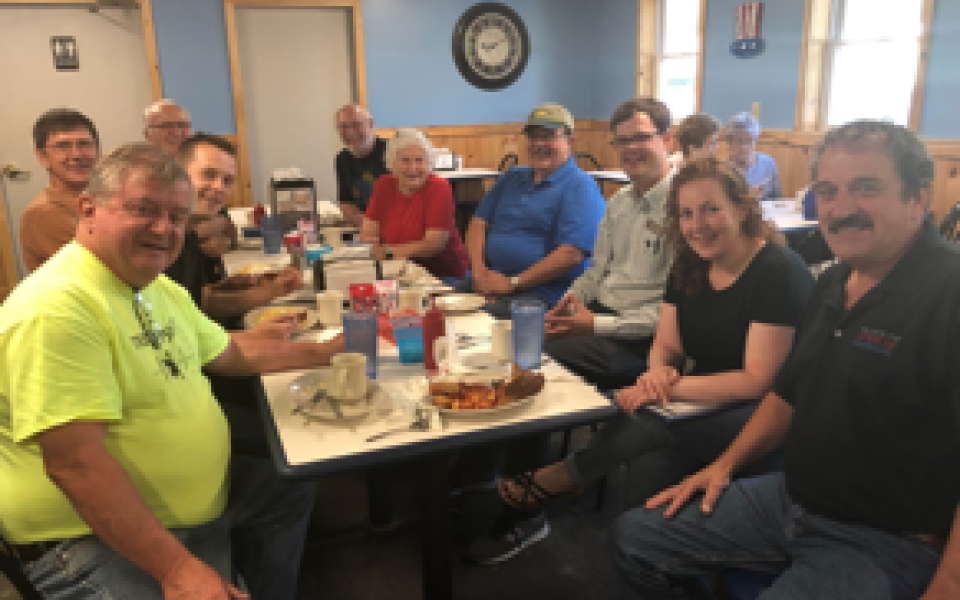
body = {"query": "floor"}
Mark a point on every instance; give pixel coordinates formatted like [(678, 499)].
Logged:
[(344, 561)]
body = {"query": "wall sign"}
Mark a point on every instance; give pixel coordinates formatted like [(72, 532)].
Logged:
[(748, 44), (65, 56)]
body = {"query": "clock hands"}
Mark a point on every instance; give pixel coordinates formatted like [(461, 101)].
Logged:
[(493, 45)]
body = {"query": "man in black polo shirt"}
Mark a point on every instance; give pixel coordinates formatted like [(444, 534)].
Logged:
[(360, 163), (868, 404)]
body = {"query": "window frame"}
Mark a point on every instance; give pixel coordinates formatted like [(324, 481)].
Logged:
[(650, 54), (821, 38)]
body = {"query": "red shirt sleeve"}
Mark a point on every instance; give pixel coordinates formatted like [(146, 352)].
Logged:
[(439, 213)]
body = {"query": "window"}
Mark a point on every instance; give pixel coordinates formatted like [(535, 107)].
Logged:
[(670, 50), (874, 60)]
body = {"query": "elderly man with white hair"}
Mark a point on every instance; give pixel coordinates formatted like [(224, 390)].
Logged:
[(166, 124), (742, 132), (360, 163), (410, 214)]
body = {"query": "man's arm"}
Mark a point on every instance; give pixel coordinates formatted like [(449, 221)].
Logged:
[(351, 214), (222, 302), (251, 354), (946, 581), (765, 430), (97, 486)]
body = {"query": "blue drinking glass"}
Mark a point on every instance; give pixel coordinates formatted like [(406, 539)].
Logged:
[(408, 333), (272, 233), (527, 315), (360, 335)]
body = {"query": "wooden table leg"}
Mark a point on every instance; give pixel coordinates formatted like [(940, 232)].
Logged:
[(437, 562)]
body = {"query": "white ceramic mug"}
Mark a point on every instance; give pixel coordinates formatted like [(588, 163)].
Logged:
[(348, 377), (330, 307), (502, 341), (411, 299)]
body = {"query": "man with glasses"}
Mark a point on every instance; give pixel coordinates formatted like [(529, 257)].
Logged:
[(166, 124), (67, 146), (360, 163), (602, 328), (866, 407), (115, 460), (534, 230)]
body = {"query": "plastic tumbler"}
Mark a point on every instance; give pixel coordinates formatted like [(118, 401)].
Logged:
[(272, 234), (408, 333), (360, 335), (527, 315)]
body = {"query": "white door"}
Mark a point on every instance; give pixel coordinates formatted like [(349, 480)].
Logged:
[(296, 65), (112, 85)]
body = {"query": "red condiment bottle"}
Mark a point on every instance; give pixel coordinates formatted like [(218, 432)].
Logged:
[(434, 326), (257, 213)]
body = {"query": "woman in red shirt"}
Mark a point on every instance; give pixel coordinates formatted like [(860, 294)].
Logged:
[(410, 214)]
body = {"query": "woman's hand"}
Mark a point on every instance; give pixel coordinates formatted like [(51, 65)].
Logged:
[(635, 396), (661, 379)]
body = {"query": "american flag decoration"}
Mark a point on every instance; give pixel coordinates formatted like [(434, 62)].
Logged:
[(748, 44)]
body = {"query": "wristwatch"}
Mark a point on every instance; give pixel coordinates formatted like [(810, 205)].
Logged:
[(515, 281), (388, 252)]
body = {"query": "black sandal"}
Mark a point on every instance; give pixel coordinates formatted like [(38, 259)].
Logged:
[(533, 496)]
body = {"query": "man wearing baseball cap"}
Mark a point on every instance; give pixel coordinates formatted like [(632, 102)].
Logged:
[(533, 232)]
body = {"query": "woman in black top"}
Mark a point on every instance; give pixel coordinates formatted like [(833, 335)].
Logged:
[(732, 301)]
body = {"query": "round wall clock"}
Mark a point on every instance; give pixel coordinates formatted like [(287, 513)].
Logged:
[(490, 45)]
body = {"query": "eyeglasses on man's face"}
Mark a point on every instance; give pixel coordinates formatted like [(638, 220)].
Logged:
[(150, 211), (67, 145), (622, 141), (171, 125)]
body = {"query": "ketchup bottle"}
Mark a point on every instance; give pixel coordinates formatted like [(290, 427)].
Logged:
[(257, 213), (434, 326)]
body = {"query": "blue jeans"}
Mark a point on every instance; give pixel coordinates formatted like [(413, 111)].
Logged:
[(266, 520), (757, 527)]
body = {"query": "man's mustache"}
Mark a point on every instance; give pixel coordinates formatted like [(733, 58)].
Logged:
[(541, 151), (856, 220)]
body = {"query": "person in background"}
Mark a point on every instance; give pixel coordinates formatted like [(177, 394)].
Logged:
[(533, 232), (67, 146), (741, 133), (602, 328), (734, 297), (166, 124), (698, 136), (210, 161), (866, 404), (410, 214), (117, 472), (360, 164)]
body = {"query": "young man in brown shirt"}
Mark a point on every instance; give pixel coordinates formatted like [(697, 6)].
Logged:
[(67, 146)]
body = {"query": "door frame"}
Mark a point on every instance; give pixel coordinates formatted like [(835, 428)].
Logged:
[(244, 191)]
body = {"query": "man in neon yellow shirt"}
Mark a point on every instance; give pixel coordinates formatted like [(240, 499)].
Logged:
[(114, 454)]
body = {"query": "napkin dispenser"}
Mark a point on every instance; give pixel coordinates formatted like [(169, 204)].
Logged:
[(298, 204), (444, 160), (339, 274)]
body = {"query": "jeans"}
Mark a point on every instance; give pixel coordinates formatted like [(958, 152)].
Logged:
[(606, 362), (757, 527), (266, 520), (660, 453)]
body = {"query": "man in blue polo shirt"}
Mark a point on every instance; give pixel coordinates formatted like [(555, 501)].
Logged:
[(533, 233)]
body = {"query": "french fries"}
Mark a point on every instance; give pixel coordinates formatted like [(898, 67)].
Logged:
[(458, 395)]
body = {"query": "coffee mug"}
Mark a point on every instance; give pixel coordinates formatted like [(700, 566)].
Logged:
[(348, 377), (411, 299), (330, 307), (502, 341)]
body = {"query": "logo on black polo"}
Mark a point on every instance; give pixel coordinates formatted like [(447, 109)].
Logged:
[(876, 340)]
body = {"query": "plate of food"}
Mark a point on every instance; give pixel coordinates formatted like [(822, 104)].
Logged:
[(460, 303), (308, 396), (306, 318), (472, 397)]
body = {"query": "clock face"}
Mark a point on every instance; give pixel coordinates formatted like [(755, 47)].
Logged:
[(490, 46)]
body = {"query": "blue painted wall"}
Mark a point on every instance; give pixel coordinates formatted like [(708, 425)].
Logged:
[(192, 46), (731, 85), (940, 116), (583, 56)]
